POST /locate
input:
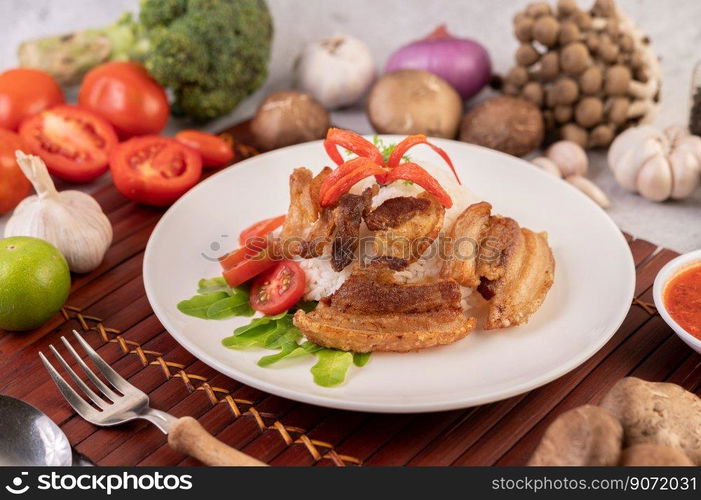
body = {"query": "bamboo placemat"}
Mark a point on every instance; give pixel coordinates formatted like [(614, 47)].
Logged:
[(109, 305)]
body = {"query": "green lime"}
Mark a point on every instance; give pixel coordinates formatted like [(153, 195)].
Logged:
[(34, 282)]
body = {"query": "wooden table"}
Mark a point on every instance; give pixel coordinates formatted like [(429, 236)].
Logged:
[(109, 305)]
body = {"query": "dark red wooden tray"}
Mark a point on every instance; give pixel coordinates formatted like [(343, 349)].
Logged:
[(109, 305)]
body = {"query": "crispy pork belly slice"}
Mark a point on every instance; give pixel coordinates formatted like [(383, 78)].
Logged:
[(527, 278), (512, 267), (371, 312), (404, 227), (348, 215), (328, 327), (304, 209), (501, 242), (320, 235), (462, 245), (372, 292)]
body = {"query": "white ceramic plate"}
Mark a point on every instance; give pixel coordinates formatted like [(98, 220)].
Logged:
[(593, 287)]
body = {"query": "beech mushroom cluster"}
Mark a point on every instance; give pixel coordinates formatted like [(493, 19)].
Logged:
[(592, 73), (637, 423)]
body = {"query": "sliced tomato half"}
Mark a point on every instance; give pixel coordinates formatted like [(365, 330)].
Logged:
[(154, 170), (247, 267), (278, 289), (74, 143), (260, 230)]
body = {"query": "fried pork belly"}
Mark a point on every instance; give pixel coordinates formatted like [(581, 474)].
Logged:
[(320, 234), (462, 245), (377, 293), (371, 312), (512, 267), (348, 216), (404, 227), (382, 332), (304, 208), (527, 278)]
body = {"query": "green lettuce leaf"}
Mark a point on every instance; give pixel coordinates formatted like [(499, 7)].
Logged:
[(198, 305), (218, 284), (331, 367), (361, 358)]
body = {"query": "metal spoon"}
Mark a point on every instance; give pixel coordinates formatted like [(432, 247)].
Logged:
[(29, 437)]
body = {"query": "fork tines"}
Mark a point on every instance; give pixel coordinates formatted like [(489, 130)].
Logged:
[(107, 397)]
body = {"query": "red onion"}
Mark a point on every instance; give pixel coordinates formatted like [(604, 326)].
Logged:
[(463, 63)]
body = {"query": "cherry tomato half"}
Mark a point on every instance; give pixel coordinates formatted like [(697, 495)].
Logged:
[(25, 92), (215, 151), (261, 229), (126, 96), (248, 267), (154, 170), (73, 142), (14, 186), (278, 289)]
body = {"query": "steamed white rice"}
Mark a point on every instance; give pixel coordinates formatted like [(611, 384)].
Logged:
[(322, 280)]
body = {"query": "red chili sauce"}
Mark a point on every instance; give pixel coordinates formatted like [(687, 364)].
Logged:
[(682, 298)]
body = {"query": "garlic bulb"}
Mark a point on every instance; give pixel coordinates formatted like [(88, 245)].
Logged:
[(658, 165), (336, 71), (70, 220)]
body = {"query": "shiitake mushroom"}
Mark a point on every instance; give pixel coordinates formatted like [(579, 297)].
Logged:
[(509, 124), (412, 101), (289, 117)]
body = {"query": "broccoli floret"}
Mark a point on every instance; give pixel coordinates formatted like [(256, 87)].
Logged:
[(211, 54)]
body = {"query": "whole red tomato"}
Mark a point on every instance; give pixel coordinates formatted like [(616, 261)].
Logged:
[(126, 96), (14, 186), (26, 92)]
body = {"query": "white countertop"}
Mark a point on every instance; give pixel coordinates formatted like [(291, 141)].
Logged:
[(386, 24)]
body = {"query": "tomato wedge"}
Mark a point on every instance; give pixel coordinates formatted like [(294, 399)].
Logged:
[(73, 142), (154, 170), (232, 259), (246, 267), (278, 289), (260, 230), (215, 151)]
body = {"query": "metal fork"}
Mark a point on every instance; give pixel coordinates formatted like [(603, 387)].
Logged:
[(123, 402)]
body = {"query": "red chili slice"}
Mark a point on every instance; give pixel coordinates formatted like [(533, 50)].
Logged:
[(354, 143), (345, 177), (416, 174), (413, 140)]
